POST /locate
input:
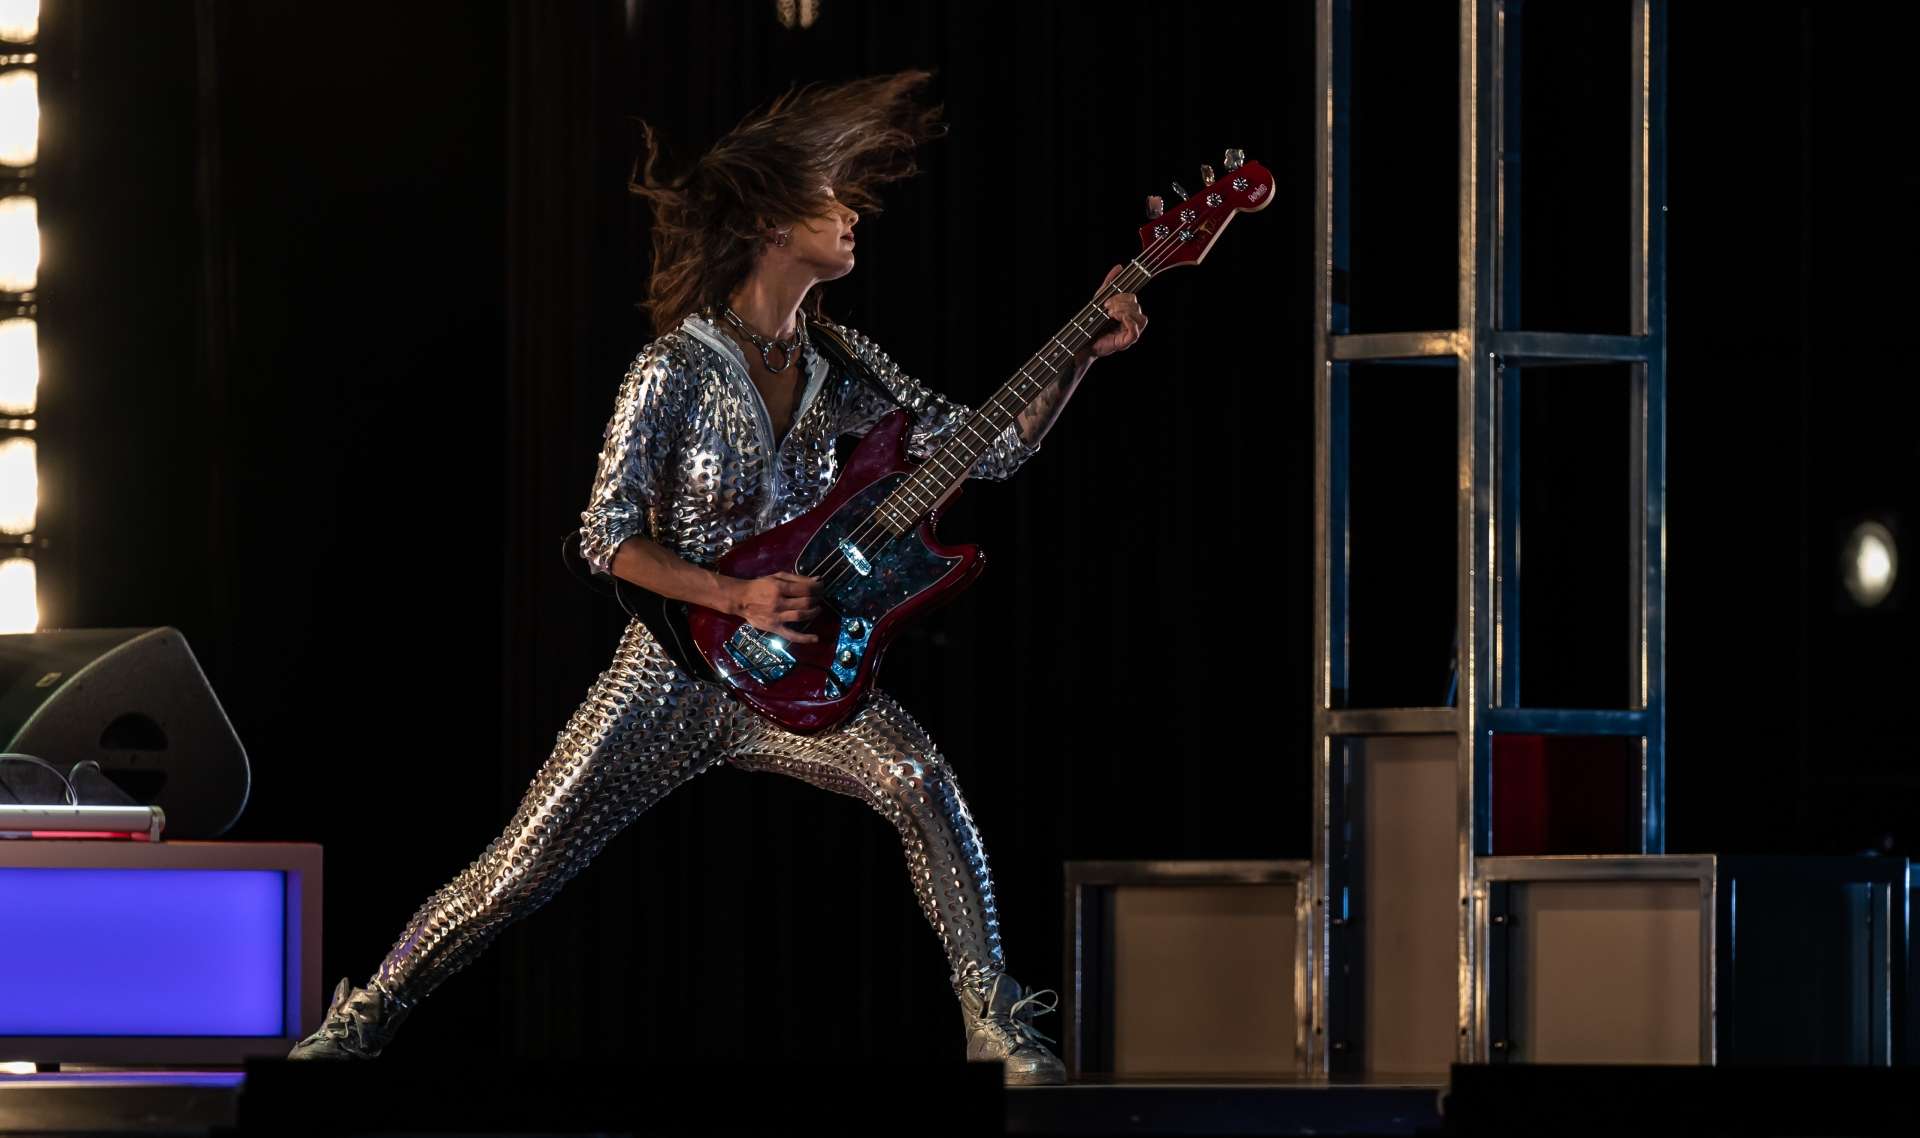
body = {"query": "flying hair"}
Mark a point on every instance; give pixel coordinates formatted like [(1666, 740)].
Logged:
[(769, 170)]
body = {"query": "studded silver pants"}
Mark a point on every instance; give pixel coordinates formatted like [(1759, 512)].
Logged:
[(647, 727)]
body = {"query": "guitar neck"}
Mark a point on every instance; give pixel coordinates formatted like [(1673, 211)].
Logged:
[(949, 465)]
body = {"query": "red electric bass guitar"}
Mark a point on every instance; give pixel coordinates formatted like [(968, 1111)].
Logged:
[(871, 539)]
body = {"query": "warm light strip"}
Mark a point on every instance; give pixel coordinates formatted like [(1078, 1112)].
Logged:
[(19, 485), (19, 598), (19, 20), (19, 243), (19, 117), (19, 335), (19, 366)]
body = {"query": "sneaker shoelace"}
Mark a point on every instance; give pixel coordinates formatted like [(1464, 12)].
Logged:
[(1015, 1030)]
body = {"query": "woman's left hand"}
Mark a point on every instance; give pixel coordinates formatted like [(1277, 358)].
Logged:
[(1124, 308)]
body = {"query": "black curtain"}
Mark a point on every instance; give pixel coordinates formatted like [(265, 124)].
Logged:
[(336, 298), (273, 336)]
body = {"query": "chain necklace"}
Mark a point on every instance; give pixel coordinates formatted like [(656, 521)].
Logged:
[(789, 349)]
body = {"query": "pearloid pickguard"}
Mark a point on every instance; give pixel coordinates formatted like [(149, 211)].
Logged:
[(899, 566)]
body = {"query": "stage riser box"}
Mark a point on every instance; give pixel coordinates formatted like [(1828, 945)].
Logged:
[(1186, 968), (1394, 920), (1678, 959)]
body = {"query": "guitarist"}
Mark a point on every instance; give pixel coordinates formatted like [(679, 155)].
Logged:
[(725, 427)]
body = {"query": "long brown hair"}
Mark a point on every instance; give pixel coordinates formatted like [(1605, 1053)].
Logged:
[(769, 169)]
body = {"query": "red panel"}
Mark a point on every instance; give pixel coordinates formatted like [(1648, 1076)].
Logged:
[(1565, 794)]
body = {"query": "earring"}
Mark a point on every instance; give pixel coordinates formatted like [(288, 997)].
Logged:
[(780, 240)]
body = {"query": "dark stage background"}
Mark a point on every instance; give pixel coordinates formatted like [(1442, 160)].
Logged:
[(336, 298)]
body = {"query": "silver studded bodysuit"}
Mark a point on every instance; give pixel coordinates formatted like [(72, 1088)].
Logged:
[(690, 461)]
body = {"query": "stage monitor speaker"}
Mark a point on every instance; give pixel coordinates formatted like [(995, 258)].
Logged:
[(136, 701)]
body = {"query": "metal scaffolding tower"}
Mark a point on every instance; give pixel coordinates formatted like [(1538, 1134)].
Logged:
[(1369, 762)]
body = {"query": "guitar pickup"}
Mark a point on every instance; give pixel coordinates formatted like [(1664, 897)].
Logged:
[(856, 558)]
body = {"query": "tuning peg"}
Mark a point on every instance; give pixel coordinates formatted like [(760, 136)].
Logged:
[(1206, 174), (1235, 159), (1181, 191), (1156, 205)]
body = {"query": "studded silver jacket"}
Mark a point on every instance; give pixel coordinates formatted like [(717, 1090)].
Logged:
[(690, 459)]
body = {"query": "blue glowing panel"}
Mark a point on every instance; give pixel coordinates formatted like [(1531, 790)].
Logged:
[(143, 952)]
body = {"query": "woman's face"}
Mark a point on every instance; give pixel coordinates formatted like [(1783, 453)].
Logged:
[(824, 243)]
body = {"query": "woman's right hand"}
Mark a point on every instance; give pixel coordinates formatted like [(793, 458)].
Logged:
[(780, 604)]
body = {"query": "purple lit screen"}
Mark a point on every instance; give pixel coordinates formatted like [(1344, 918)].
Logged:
[(143, 952)]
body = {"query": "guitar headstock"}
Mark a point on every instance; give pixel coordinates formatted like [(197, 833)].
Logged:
[(1183, 234)]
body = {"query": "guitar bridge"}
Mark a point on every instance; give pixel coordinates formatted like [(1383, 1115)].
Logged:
[(764, 657)]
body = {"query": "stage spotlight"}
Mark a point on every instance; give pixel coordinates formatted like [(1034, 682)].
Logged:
[(19, 243), (19, 117), (19, 485), (19, 20), (1870, 564), (19, 603), (19, 367)]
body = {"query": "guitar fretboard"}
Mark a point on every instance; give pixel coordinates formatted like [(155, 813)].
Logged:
[(948, 466)]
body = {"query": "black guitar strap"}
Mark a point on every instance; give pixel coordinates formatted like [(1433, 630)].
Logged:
[(666, 619), (828, 341)]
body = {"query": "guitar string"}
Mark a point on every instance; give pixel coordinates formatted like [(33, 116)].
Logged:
[(1159, 253), (876, 522), (876, 532)]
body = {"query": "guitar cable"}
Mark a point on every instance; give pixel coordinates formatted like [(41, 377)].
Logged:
[(570, 557), (73, 798)]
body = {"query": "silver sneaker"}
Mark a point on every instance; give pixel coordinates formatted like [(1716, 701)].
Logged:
[(359, 1024), (1000, 1026)]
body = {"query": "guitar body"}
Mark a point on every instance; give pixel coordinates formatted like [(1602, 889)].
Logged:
[(869, 594)]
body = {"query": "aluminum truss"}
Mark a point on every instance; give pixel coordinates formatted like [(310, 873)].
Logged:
[(1490, 353)]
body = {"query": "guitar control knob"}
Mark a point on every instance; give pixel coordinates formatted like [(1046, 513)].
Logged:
[(1235, 159), (847, 657), (1206, 175), (856, 628), (1181, 191), (1156, 205)]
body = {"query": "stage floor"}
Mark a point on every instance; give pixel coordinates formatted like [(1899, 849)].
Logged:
[(204, 1102), (92, 1101), (1375, 1104)]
